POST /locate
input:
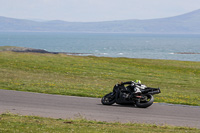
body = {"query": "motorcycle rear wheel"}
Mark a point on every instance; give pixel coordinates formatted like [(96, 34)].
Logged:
[(108, 99), (145, 102)]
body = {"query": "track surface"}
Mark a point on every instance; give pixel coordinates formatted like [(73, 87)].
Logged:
[(57, 106)]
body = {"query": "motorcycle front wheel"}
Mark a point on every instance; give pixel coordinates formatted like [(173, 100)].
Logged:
[(145, 101), (108, 99)]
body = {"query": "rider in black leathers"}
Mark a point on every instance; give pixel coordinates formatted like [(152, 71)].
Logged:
[(135, 85)]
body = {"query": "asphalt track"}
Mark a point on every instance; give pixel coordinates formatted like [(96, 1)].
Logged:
[(58, 106)]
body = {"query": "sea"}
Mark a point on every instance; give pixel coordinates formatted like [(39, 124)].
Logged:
[(150, 46)]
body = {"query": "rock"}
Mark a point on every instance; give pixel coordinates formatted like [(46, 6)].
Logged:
[(186, 53)]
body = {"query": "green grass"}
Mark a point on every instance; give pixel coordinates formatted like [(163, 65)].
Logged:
[(10, 123), (95, 76)]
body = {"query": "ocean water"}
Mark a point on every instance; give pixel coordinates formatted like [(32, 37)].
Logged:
[(151, 46)]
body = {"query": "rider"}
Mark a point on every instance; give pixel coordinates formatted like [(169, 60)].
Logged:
[(137, 84)]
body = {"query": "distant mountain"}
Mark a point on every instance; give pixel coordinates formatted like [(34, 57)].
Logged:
[(186, 23)]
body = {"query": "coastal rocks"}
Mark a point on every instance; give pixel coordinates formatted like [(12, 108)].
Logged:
[(23, 49), (32, 50), (186, 53)]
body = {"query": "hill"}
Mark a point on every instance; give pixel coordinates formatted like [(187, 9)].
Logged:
[(186, 23), (95, 76)]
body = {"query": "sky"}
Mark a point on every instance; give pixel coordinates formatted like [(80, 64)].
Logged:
[(95, 10)]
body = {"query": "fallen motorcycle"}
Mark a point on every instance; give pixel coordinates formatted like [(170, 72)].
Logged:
[(131, 93)]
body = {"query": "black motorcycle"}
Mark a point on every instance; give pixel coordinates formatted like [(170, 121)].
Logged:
[(131, 93)]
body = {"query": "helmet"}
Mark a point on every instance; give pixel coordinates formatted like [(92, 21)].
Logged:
[(138, 81)]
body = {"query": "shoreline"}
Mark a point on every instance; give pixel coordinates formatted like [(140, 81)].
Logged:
[(32, 50), (43, 51)]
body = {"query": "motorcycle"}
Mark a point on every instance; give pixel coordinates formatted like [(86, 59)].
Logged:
[(131, 93)]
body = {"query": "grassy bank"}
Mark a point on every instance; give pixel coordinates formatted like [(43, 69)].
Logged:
[(10, 123), (95, 76)]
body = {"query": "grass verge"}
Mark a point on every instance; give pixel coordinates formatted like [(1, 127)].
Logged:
[(10, 123), (95, 76)]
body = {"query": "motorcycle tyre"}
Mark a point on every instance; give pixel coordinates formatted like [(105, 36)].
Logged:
[(145, 105), (108, 103)]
